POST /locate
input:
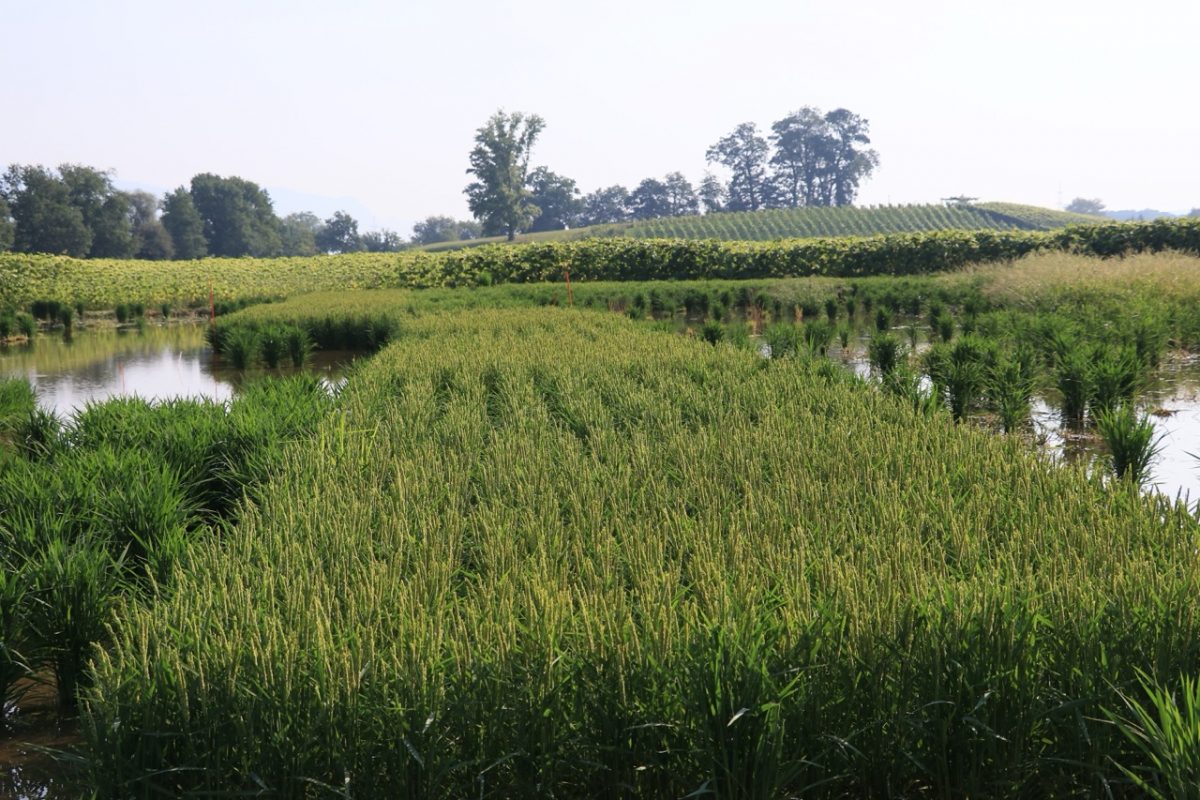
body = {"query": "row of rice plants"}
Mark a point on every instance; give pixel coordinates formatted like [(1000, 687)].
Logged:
[(539, 552)]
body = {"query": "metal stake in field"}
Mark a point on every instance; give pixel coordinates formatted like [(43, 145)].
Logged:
[(570, 296)]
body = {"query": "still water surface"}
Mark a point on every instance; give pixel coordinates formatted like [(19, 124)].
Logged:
[(155, 364)]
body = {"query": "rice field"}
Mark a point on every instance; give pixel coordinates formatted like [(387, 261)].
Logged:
[(539, 552), (616, 550)]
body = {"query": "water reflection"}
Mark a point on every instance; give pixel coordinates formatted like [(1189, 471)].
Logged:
[(156, 363)]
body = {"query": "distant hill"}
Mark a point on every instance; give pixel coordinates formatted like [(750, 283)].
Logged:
[(793, 223), (1145, 214)]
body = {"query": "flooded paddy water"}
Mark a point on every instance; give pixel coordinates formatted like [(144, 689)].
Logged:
[(1172, 401), (156, 362)]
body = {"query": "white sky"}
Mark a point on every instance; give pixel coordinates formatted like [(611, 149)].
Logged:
[(372, 105)]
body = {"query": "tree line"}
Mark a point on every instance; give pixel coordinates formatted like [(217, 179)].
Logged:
[(809, 158), (76, 211)]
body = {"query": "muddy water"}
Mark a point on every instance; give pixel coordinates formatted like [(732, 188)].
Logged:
[(28, 769), (156, 363)]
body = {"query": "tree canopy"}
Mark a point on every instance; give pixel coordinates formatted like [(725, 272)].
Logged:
[(500, 196), (1086, 205), (432, 230), (185, 225), (239, 219), (744, 152), (605, 206), (557, 200), (45, 218), (339, 234)]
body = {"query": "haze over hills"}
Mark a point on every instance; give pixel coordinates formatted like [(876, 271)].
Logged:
[(1144, 214)]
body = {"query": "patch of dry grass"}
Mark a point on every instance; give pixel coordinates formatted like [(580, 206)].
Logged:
[(1170, 275)]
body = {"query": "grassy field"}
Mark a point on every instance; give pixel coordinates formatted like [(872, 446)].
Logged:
[(791, 223)]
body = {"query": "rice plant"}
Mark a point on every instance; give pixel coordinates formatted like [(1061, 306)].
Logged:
[(26, 325), (1010, 386), (1165, 729), (74, 587), (241, 347), (963, 381), (1132, 444), (818, 335), (943, 325), (38, 434), (66, 318), (1073, 374), (1117, 375), (908, 385), (299, 346), (884, 352), (783, 339), (14, 665), (883, 319), (712, 332), (272, 345)]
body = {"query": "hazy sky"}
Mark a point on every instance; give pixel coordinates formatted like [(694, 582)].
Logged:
[(372, 105)]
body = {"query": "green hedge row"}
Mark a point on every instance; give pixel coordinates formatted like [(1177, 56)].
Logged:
[(103, 283), (677, 259)]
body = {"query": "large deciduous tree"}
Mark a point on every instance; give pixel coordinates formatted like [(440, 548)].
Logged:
[(434, 229), (150, 238), (744, 152), (1086, 205), (45, 220), (605, 206), (339, 234), (185, 225), (820, 159), (803, 148), (298, 234), (382, 241), (239, 219), (650, 199), (105, 211), (681, 196), (500, 197), (851, 161), (712, 194), (8, 228), (557, 199)]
